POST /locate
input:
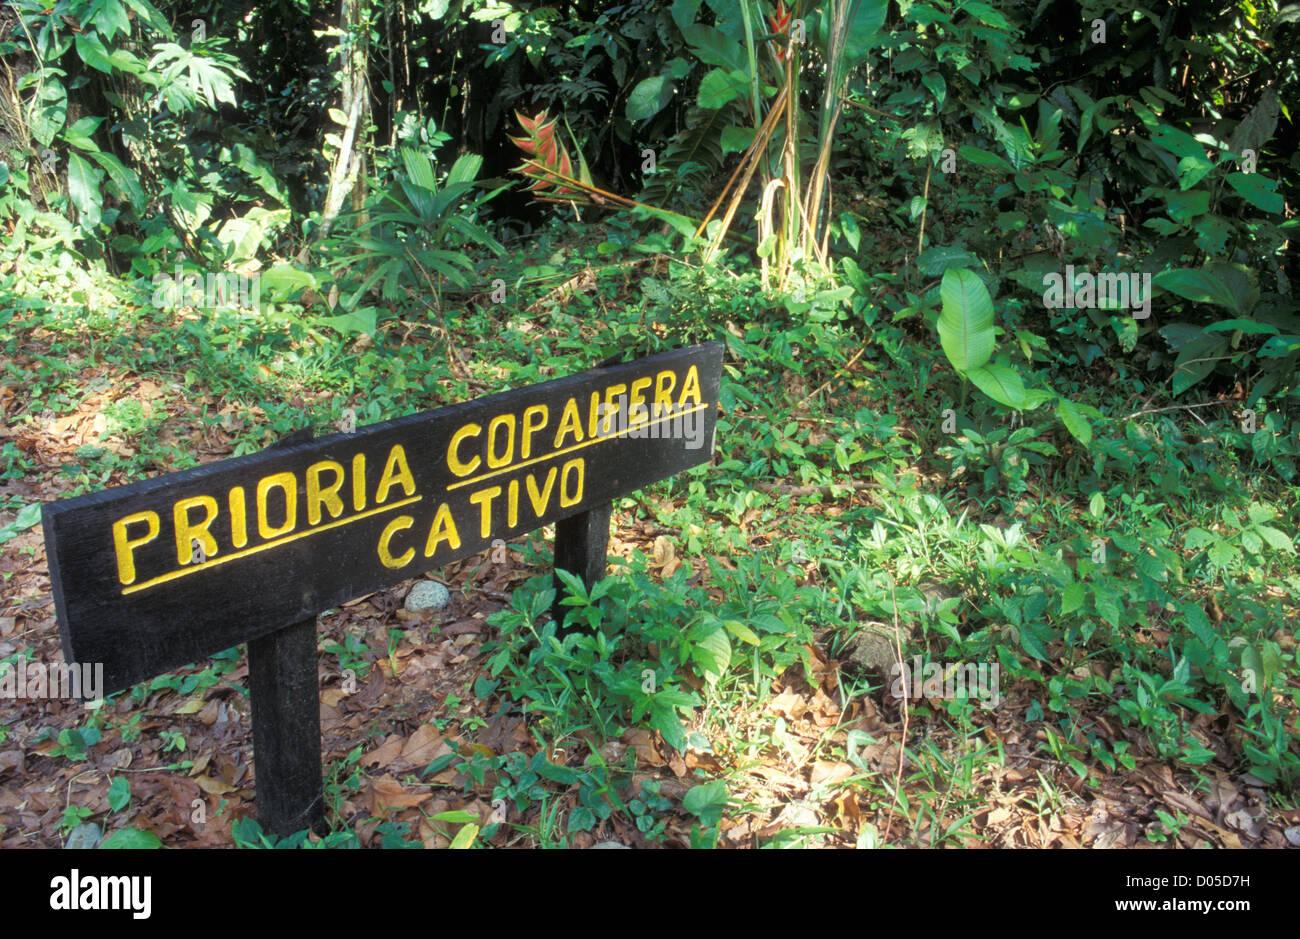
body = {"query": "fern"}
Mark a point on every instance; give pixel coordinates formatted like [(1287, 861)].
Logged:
[(693, 158)]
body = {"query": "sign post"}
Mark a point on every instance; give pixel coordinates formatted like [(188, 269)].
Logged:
[(154, 575)]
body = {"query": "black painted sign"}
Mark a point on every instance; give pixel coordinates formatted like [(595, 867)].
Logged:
[(151, 576)]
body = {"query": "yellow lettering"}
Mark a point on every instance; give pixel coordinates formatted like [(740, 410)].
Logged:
[(541, 499), (636, 411), (328, 496), (512, 503), (185, 531), (567, 500), (238, 518), (401, 523), (453, 458), (483, 499), (508, 422), (125, 546), (358, 482), (569, 420), (663, 392), (612, 393), (690, 387), (526, 445), (285, 482), (443, 529), (395, 471), (593, 411)]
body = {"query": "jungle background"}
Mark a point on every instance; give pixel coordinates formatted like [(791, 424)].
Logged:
[(224, 222)]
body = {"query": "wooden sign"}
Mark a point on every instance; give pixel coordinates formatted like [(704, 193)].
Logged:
[(160, 573)]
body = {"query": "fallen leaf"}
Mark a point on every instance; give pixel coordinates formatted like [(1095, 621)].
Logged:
[(385, 753), (387, 793), (643, 742), (213, 786), (827, 772), (422, 746)]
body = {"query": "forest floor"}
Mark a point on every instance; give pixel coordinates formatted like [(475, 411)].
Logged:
[(422, 739)]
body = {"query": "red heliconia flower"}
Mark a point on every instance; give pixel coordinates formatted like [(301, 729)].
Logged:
[(780, 23), (546, 151)]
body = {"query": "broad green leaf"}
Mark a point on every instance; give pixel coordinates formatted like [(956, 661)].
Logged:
[(1246, 326), (737, 139), (1107, 604), (1259, 191), (852, 234), (1275, 538), (936, 260), (1191, 170), (966, 324), (119, 793), (937, 87), (465, 837), (283, 281), (648, 98), (131, 838), (582, 819), (1199, 286), (1074, 421), (1001, 383), (684, 11), (706, 801), (1280, 347), (125, 179), (83, 190), (1180, 143), (714, 47), (713, 654), (741, 631), (28, 516), (720, 86), (1185, 207), (1072, 597), (49, 109), (108, 17), (1197, 360), (91, 50), (984, 158), (864, 32), (1096, 505), (986, 14)]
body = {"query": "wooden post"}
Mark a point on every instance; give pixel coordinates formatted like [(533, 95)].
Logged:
[(286, 730), (581, 548), (285, 694)]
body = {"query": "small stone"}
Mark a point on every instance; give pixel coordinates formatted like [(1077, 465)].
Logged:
[(83, 836), (609, 845), (427, 595)]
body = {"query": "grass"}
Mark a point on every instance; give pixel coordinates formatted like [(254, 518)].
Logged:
[(1136, 595)]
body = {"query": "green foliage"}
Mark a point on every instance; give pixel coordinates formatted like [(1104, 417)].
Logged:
[(413, 235)]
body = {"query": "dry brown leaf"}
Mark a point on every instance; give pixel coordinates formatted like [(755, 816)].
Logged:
[(643, 742), (422, 746), (788, 704), (998, 815), (213, 786), (385, 753), (664, 552), (828, 772), (387, 793)]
